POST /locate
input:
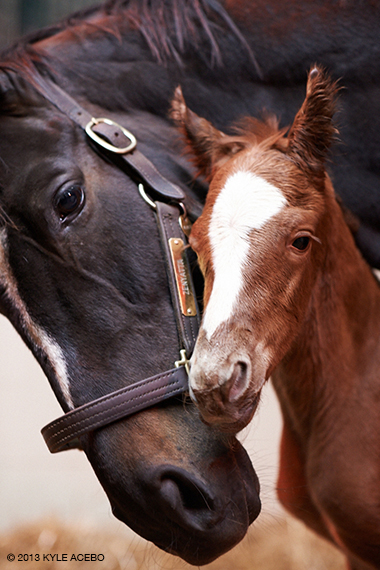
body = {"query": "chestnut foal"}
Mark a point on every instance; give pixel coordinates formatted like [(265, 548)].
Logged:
[(288, 295)]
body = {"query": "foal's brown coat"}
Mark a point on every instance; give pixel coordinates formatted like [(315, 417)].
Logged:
[(316, 311)]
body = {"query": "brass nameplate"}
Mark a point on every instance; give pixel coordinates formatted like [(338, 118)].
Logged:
[(181, 270)]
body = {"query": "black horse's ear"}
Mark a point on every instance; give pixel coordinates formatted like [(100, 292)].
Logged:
[(312, 132), (207, 145), (8, 96), (11, 100)]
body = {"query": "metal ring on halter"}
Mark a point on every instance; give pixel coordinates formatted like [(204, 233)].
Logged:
[(184, 221), (183, 208), (145, 197)]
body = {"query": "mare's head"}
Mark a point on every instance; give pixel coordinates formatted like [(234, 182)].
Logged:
[(259, 246), (83, 279)]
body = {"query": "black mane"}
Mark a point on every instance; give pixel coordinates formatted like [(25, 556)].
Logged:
[(168, 27)]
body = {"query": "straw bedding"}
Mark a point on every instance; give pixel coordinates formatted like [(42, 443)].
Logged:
[(270, 545)]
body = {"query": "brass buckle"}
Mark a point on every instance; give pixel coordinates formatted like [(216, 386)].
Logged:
[(184, 361), (100, 141)]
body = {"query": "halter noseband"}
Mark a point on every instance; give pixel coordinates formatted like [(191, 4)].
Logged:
[(113, 139)]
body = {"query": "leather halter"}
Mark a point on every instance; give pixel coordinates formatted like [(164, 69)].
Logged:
[(112, 139)]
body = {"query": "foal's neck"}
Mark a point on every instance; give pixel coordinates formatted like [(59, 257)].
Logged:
[(338, 347)]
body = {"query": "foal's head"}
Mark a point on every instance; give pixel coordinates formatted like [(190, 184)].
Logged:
[(258, 246)]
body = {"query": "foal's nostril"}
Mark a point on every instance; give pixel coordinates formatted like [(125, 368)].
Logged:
[(238, 382)]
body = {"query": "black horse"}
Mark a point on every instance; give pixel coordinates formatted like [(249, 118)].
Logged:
[(82, 273)]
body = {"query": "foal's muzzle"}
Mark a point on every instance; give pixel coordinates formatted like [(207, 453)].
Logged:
[(227, 415), (225, 398)]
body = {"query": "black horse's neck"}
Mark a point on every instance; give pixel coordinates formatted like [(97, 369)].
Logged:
[(232, 60), (138, 52)]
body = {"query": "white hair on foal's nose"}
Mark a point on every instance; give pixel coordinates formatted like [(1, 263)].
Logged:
[(245, 203)]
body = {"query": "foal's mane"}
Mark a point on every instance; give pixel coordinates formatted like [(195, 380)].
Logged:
[(264, 132)]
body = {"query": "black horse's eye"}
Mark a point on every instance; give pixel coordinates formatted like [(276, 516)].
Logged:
[(301, 243), (69, 201)]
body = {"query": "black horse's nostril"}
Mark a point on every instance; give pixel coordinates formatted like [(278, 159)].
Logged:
[(237, 384), (184, 495), (185, 499)]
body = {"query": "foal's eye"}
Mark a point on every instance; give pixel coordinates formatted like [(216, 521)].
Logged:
[(69, 201), (301, 243)]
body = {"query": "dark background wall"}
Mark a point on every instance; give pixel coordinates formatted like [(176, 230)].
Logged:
[(18, 17)]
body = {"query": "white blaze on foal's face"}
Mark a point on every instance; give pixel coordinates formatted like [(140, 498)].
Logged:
[(245, 203)]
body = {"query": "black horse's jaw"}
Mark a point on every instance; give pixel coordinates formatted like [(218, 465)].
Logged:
[(195, 512)]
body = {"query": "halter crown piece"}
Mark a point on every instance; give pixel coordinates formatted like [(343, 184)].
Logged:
[(113, 139)]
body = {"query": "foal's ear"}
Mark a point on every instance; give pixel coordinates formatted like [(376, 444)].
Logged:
[(312, 132), (208, 146)]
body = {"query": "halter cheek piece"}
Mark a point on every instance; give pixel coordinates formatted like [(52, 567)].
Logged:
[(112, 139)]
